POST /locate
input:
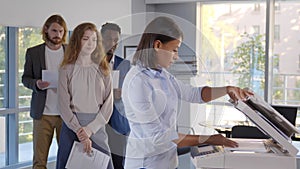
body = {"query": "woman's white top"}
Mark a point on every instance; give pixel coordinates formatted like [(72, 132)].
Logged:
[(151, 99)]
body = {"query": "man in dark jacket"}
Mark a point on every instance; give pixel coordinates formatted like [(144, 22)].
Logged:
[(118, 127), (45, 59)]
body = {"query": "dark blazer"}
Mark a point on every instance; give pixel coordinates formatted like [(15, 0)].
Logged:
[(118, 121), (34, 64)]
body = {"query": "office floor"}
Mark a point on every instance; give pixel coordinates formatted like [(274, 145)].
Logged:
[(26, 154), (50, 165)]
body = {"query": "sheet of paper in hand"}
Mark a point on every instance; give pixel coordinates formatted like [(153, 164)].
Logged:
[(51, 77), (78, 159)]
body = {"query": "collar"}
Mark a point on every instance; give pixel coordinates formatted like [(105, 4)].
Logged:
[(153, 73)]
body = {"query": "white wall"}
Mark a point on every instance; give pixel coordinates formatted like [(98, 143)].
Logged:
[(34, 12)]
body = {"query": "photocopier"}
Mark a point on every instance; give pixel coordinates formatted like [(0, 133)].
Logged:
[(277, 152)]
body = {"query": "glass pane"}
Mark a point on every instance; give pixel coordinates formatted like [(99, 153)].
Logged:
[(25, 137), (3, 52), (2, 141), (232, 51), (28, 37), (286, 55), (2, 66), (286, 60)]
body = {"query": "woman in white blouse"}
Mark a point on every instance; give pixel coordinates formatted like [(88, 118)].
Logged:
[(151, 96), (85, 94)]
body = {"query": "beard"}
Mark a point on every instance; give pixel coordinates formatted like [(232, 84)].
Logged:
[(54, 40), (110, 52), (109, 56)]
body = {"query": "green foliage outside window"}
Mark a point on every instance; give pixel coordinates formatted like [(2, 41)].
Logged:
[(25, 127), (297, 92), (249, 61), (278, 88), (2, 64), (28, 37)]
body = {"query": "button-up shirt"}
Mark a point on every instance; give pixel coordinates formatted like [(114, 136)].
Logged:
[(151, 99)]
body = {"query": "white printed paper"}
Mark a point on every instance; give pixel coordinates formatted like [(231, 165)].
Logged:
[(78, 159), (253, 145), (51, 77), (115, 78)]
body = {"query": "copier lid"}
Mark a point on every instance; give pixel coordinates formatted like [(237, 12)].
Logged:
[(269, 121)]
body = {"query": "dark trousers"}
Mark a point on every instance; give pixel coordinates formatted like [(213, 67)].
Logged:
[(117, 143), (64, 148), (117, 161)]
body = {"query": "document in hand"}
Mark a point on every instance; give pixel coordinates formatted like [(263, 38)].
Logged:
[(115, 76), (51, 77), (78, 159)]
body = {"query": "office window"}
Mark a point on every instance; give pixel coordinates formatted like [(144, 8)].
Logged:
[(3, 51), (230, 10), (2, 141), (285, 81), (256, 29), (234, 46), (27, 37), (277, 32), (275, 62), (299, 62), (256, 7), (277, 7)]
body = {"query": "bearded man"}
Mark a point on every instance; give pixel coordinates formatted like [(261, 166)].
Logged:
[(45, 57)]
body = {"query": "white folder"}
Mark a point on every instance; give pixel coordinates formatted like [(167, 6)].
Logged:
[(78, 159)]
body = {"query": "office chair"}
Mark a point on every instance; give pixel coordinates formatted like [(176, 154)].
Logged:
[(240, 131), (289, 112)]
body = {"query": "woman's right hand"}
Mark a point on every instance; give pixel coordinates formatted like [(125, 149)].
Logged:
[(219, 139)]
